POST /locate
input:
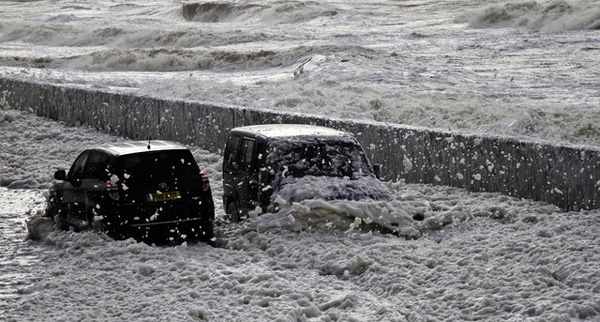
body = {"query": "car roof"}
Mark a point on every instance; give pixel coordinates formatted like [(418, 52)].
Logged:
[(269, 131), (131, 147)]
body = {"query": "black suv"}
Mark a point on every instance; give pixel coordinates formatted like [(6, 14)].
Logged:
[(260, 160), (151, 191)]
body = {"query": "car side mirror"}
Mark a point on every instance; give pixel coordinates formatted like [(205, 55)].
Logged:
[(377, 170), (60, 175)]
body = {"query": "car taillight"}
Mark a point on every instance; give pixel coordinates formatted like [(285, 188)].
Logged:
[(205, 182), (113, 190)]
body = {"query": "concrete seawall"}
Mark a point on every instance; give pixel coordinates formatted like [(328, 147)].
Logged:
[(564, 175)]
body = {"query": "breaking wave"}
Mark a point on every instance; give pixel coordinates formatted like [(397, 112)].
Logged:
[(173, 60), (279, 12), (121, 37), (548, 17)]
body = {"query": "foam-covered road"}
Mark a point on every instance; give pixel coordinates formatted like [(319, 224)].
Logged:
[(482, 256), (17, 253)]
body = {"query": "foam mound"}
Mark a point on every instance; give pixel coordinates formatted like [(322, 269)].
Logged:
[(39, 227)]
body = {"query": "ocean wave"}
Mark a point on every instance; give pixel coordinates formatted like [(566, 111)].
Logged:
[(554, 16), (120, 36), (171, 60), (280, 12)]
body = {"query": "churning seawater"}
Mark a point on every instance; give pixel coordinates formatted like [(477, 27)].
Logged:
[(519, 68)]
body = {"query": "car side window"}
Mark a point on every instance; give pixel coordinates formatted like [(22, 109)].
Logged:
[(247, 154), (263, 152), (231, 154), (78, 167), (95, 167)]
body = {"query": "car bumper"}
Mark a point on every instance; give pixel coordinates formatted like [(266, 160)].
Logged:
[(167, 232)]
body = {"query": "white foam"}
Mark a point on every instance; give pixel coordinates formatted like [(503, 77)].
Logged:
[(553, 16), (485, 256), (417, 64)]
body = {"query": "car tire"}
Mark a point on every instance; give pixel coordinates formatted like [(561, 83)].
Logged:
[(208, 234), (59, 222), (53, 212), (52, 209), (98, 226), (234, 212)]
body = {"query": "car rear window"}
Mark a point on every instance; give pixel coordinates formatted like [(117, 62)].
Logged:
[(160, 164), (335, 157)]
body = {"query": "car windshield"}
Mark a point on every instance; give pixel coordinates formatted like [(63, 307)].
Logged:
[(161, 164), (339, 157)]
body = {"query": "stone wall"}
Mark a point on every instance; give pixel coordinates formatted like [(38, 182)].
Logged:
[(568, 176)]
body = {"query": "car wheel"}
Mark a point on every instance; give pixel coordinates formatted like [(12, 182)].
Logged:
[(98, 226), (52, 209), (208, 233), (234, 212), (59, 222)]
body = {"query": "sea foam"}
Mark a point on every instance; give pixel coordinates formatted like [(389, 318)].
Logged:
[(548, 17)]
